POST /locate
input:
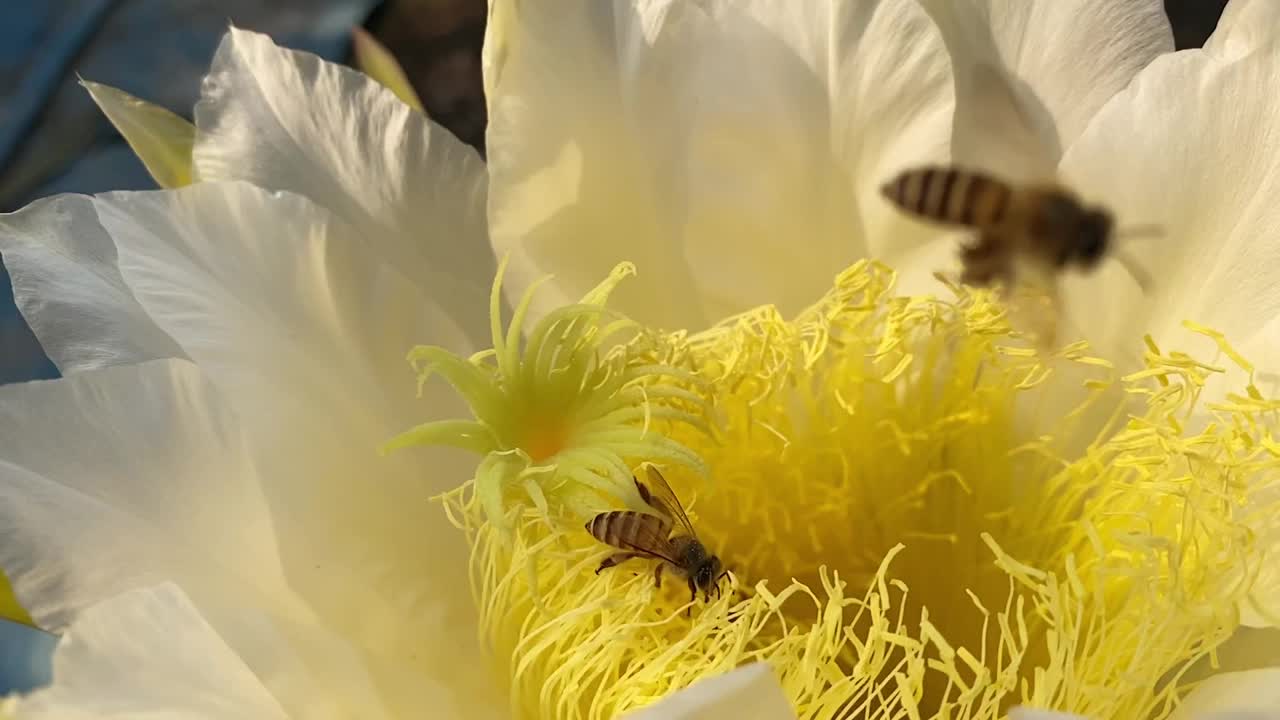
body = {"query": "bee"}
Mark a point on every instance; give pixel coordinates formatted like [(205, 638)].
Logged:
[(639, 534), (1045, 224)]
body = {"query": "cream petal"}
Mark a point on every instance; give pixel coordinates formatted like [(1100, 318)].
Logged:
[(916, 264), (748, 693), (117, 477), (287, 120), (147, 653), (802, 113), (65, 282), (1250, 695), (575, 176), (1063, 61), (705, 144), (1244, 26), (1155, 156), (306, 334)]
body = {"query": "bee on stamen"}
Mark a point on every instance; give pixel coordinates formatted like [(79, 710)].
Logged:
[(648, 535)]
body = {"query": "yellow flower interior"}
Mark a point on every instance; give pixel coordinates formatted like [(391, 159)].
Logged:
[(908, 530)]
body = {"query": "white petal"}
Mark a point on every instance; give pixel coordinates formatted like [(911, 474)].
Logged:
[(1245, 25), (1066, 60), (119, 478), (748, 693), (306, 334), (114, 478), (1254, 694), (65, 282), (287, 120), (575, 176), (1208, 179), (147, 653), (795, 115), (732, 152)]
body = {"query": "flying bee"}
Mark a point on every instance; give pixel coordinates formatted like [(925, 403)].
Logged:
[(639, 534), (1044, 224)]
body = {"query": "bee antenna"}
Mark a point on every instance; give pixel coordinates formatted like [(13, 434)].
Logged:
[(1135, 270)]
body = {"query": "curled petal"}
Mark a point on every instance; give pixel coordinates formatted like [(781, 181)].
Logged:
[(1245, 25), (67, 283), (779, 122), (1030, 74), (287, 120)]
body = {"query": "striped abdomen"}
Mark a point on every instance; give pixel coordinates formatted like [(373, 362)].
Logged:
[(950, 195), (631, 530)]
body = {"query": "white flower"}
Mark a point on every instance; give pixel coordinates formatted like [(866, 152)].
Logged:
[(197, 504)]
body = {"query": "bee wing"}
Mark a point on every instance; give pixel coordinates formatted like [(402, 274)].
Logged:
[(636, 531), (662, 498)]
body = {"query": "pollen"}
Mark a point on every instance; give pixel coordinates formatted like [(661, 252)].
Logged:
[(911, 524)]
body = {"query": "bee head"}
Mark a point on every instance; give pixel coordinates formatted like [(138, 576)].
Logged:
[(1093, 237), (707, 575)]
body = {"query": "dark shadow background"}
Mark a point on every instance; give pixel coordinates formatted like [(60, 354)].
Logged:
[(1193, 20), (53, 139)]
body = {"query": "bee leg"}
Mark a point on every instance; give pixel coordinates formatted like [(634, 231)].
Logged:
[(614, 559), (657, 575), (983, 265), (984, 272), (693, 596)]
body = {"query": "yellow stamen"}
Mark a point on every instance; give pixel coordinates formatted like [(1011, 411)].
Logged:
[(901, 543)]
